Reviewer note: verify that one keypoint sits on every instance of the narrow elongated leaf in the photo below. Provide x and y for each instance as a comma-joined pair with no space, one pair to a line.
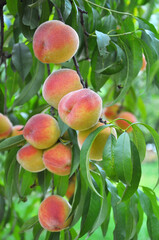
29,224
105,224
22,59
11,142
136,175
62,185
2,207
32,87
62,125
139,141
12,6
84,156
108,158
122,158
75,151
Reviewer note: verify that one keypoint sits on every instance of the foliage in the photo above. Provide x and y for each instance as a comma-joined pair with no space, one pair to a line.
113,37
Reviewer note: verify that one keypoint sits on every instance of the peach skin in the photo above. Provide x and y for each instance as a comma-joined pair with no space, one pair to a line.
30,158
71,187
111,112
55,42
123,124
80,109
41,131
97,148
58,158
17,130
5,126
58,84
53,213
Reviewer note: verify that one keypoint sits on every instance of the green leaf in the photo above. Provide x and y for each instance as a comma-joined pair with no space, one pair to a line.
84,156
44,179
136,175
108,158
63,127
22,59
67,9
31,17
102,42
75,151
139,141
122,158
37,230
105,224
29,224
11,142
2,207
62,185
12,6
32,87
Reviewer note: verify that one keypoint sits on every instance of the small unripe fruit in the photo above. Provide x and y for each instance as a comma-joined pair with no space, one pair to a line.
123,124
80,109
30,158
41,131
5,126
58,84
55,42
58,158
97,148
17,130
71,187
53,213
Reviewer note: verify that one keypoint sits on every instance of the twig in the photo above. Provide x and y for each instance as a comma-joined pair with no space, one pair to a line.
2,3
5,86
48,69
102,121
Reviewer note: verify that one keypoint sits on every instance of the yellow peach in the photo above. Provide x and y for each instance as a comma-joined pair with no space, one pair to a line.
58,158
5,126
97,148
58,84
53,213
30,158
55,42
80,109
41,131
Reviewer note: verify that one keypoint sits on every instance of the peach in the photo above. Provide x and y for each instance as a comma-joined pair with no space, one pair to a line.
5,126
41,131
30,158
144,63
71,187
53,213
80,109
55,42
58,84
58,158
97,148
17,130
123,124
111,112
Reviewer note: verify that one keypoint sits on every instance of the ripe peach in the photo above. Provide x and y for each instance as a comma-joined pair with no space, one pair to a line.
58,158
55,42
58,84
17,130
41,131
30,158
123,124
5,126
80,109
111,112
53,213
97,148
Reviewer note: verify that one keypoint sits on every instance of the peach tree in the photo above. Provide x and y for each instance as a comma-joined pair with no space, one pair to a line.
73,127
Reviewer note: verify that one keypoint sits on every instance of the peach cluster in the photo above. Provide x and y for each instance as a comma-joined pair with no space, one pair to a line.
43,150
